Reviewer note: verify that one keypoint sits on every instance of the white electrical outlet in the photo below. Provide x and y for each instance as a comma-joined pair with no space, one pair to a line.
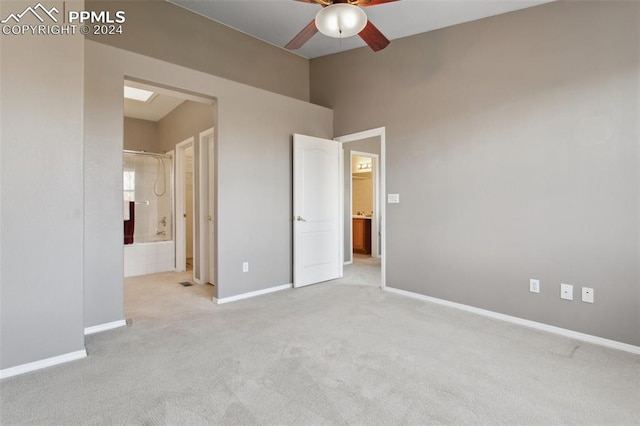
566,291
245,266
534,286
587,294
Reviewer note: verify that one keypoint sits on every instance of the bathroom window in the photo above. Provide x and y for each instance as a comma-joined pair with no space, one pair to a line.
146,180
129,187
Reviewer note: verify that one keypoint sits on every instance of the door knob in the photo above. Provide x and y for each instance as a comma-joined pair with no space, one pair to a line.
300,219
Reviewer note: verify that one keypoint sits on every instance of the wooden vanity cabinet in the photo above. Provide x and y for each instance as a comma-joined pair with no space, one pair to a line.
361,229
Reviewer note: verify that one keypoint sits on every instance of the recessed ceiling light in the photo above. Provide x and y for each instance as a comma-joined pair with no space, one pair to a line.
137,94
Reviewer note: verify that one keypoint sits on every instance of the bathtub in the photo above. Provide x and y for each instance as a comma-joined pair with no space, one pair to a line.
149,258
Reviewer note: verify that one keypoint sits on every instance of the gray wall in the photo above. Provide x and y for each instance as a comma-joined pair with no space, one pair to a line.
141,135
372,146
513,143
165,31
41,195
254,127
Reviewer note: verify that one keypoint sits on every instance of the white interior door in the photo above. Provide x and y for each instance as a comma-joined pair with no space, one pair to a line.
181,204
316,210
205,213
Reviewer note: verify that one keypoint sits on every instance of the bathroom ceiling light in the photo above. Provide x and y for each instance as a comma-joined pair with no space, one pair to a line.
137,94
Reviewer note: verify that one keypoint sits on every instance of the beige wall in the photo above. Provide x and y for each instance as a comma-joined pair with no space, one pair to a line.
513,143
362,193
164,31
141,135
187,120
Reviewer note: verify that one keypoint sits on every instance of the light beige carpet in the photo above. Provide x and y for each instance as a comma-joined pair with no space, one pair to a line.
334,353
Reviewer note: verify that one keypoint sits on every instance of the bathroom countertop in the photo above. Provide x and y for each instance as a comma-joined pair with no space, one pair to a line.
360,217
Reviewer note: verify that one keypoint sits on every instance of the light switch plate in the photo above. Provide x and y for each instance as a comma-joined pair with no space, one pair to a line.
587,294
393,198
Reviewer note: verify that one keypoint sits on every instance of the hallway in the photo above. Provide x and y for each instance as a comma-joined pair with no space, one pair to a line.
365,271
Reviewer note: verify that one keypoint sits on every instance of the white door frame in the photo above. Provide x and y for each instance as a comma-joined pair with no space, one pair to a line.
172,185
375,159
180,223
213,223
379,132
206,193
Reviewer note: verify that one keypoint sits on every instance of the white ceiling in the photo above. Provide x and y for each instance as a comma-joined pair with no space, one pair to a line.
278,21
154,110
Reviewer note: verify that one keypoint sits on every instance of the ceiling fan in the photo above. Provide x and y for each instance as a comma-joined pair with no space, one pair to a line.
341,19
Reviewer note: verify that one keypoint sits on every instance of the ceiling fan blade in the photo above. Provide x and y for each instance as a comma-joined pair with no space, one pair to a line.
371,2
373,37
303,36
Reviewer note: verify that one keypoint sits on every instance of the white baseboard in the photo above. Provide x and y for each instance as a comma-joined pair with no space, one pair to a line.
104,327
348,262
43,363
523,322
252,294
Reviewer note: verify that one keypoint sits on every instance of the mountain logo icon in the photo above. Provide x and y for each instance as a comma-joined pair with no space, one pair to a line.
38,11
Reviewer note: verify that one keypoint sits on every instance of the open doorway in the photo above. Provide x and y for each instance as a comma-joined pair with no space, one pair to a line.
165,128
323,215
364,212
364,205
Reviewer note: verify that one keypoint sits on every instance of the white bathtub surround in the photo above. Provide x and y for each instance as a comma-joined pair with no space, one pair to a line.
149,258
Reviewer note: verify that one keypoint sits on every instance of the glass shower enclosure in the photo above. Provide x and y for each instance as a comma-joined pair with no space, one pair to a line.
147,194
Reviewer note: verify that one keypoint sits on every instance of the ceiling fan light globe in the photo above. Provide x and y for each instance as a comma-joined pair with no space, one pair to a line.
341,20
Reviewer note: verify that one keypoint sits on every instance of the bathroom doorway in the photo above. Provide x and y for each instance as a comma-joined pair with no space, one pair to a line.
166,127
364,202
